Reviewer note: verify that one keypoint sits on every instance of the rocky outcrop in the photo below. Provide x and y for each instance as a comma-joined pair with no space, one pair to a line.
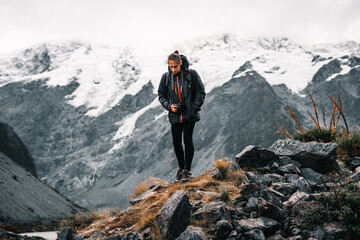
12,146
320,157
327,70
253,156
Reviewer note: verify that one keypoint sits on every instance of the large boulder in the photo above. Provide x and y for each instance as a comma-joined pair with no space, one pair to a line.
174,216
321,157
334,230
267,209
267,225
212,212
253,156
192,233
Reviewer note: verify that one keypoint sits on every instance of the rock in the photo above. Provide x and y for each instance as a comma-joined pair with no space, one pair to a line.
357,170
290,168
274,166
212,212
272,196
310,174
275,178
216,174
318,233
269,210
261,179
295,231
192,233
276,237
249,190
297,237
196,205
291,178
233,235
65,234
98,235
298,196
223,229
146,234
334,230
251,205
129,236
284,160
284,188
320,157
143,196
302,185
253,156
267,225
354,177
255,234
354,162
174,216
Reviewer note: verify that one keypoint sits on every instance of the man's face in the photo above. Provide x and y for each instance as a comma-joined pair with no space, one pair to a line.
174,66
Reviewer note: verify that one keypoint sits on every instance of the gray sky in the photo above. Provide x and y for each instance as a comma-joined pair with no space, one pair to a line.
158,22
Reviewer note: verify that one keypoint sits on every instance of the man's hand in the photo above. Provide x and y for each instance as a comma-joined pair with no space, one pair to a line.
173,108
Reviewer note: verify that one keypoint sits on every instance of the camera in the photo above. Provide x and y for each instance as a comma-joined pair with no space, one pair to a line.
180,108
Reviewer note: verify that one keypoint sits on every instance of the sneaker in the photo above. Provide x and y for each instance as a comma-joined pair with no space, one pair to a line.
179,175
186,176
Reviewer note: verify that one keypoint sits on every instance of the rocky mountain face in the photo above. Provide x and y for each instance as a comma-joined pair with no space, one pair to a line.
91,119
12,146
26,202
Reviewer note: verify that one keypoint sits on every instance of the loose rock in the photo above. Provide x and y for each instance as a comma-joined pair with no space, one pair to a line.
253,156
174,216
320,157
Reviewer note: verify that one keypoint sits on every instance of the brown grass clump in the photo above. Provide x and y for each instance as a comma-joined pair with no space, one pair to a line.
228,172
140,188
223,165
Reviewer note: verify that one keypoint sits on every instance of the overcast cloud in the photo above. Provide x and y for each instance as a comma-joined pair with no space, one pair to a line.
158,22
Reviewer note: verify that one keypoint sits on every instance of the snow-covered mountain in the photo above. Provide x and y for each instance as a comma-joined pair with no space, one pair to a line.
90,115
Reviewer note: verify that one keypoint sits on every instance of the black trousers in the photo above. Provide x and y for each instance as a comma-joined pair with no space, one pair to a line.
177,129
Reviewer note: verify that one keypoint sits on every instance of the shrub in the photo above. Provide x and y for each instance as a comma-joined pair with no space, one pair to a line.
342,204
315,134
349,143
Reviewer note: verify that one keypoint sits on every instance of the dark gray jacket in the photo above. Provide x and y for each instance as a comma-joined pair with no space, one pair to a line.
185,92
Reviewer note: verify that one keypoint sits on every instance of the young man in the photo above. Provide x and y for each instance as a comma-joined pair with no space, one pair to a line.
182,93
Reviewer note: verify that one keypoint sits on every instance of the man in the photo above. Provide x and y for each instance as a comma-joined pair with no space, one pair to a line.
182,93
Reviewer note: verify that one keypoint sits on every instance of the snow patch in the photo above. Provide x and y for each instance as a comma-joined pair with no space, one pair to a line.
127,125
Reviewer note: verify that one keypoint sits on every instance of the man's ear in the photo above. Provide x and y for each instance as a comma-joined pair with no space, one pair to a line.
180,62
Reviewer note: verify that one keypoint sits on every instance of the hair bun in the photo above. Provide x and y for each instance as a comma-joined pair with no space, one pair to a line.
176,51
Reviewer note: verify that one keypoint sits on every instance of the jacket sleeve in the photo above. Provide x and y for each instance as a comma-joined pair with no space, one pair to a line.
199,91
163,93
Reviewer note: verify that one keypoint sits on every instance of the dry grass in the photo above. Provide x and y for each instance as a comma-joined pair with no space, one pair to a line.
140,188
223,165
142,215
229,174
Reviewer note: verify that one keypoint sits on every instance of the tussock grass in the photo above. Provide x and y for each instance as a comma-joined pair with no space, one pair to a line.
228,172
140,188
223,165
